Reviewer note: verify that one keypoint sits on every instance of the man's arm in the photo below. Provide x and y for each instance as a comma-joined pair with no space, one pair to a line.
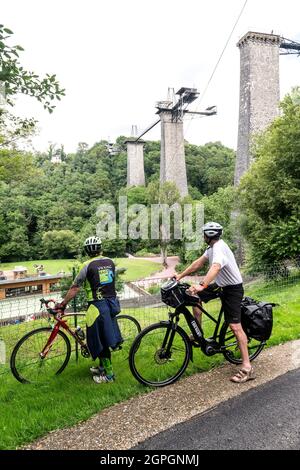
210,276
193,267
72,292
75,288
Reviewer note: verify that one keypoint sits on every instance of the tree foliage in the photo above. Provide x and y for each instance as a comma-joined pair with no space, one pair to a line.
59,244
15,79
270,191
39,197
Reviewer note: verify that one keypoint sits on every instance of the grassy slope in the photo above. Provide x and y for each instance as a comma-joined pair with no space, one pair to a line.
136,269
28,412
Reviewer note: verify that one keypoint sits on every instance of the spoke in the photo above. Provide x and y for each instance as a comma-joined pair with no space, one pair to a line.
151,365
28,363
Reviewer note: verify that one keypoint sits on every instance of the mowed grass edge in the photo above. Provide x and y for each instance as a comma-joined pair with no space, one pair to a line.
135,268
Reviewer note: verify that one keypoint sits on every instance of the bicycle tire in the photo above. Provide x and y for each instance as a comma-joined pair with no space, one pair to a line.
129,328
148,373
132,321
34,361
228,340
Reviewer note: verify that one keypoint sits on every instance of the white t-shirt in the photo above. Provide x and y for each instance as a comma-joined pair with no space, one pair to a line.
221,253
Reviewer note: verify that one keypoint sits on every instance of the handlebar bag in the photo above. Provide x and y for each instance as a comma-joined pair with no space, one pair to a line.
172,294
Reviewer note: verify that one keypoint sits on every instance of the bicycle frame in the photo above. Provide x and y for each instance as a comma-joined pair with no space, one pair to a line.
60,323
208,346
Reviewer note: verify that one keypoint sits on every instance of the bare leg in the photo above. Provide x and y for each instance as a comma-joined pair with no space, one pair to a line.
243,344
197,314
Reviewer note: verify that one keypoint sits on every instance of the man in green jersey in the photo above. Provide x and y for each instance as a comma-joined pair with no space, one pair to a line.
97,277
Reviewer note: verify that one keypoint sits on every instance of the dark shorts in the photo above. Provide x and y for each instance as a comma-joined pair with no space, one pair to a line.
231,297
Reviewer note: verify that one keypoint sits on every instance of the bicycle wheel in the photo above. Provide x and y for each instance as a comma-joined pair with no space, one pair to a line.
232,351
129,328
26,363
149,359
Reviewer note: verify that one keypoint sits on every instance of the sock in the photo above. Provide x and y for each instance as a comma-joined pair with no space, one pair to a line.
107,366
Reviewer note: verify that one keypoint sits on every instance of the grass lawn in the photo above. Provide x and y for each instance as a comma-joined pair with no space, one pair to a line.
136,268
29,411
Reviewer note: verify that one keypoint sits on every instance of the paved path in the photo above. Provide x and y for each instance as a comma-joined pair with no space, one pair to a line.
125,425
266,417
165,272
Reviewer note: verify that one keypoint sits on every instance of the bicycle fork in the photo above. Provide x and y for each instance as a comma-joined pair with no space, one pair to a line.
165,352
49,343
168,341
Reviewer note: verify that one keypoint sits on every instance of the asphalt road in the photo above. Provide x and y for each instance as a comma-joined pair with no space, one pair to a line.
266,417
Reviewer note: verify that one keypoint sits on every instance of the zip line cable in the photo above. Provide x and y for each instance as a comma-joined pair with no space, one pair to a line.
213,72
220,57
210,78
223,51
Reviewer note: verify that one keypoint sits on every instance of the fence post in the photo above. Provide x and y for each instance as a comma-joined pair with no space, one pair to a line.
75,316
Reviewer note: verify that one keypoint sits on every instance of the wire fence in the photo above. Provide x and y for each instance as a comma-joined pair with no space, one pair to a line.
142,300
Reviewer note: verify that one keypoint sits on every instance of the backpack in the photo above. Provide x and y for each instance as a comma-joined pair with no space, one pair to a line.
257,318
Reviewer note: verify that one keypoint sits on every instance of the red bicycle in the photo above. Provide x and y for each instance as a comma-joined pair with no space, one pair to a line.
46,351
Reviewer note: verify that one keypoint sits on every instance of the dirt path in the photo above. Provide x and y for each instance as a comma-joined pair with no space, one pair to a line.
126,424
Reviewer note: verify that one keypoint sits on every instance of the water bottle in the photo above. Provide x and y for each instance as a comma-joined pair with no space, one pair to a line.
2,352
79,333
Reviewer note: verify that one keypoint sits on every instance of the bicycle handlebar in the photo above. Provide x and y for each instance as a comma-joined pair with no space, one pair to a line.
53,311
186,286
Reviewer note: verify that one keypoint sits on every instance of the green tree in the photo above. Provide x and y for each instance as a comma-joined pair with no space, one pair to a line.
60,244
270,191
168,194
16,167
15,79
14,129
209,167
217,207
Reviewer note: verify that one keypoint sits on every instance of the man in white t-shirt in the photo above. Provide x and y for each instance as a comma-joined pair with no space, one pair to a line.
228,282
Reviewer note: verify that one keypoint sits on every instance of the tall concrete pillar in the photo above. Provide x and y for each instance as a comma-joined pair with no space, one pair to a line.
135,163
259,92
172,158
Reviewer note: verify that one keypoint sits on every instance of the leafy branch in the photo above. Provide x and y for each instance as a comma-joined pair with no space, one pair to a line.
16,80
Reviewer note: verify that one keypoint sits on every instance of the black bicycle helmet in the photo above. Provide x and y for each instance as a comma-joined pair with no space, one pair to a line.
92,245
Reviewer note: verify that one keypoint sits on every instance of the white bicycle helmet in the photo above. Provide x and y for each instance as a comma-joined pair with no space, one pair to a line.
92,245
212,229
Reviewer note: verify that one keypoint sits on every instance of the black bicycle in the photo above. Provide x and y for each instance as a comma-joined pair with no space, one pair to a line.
160,354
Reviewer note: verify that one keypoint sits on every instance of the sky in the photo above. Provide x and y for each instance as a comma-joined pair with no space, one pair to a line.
117,58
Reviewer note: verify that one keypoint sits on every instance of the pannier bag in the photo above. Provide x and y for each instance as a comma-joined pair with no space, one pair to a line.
257,318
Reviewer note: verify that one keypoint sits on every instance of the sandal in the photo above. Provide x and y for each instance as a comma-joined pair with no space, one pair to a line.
243,375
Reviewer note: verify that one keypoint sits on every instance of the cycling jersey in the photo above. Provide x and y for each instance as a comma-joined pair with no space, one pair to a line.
97,277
